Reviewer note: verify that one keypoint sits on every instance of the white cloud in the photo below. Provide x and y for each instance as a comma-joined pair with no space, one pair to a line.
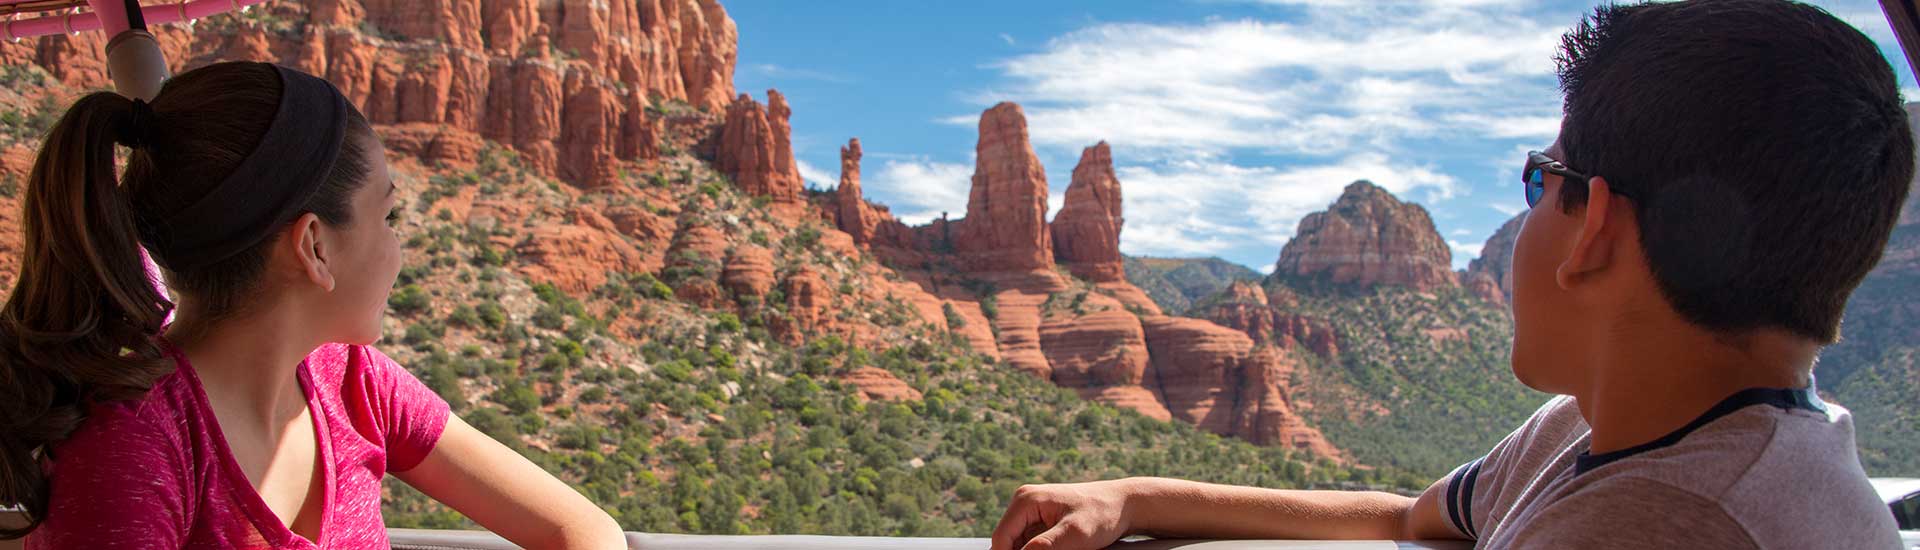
1463,253
918,189
1507,209
1344,77
816,177
1203,205
1008,38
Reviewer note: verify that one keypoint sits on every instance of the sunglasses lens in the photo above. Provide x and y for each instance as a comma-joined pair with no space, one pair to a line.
1536,186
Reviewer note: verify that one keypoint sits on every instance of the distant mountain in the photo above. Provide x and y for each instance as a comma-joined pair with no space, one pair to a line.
1402,366
1175,283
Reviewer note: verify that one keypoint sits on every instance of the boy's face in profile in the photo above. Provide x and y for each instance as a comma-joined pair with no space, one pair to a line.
1547,318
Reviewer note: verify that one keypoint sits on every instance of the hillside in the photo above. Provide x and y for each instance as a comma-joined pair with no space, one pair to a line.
1403,366
1176,283
1875,369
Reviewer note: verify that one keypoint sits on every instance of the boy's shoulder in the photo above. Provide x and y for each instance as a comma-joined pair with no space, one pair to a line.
1787,477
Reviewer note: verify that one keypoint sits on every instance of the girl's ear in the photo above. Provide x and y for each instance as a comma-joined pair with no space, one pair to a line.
312,250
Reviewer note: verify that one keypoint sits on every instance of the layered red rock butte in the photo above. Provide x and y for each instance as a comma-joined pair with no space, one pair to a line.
1368,238
1491,275
754,148
567,83
1103,356
1006,224
576,257
1086,232
1215,378
877,384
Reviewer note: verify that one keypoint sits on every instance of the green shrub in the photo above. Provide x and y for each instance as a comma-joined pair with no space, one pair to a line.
410,300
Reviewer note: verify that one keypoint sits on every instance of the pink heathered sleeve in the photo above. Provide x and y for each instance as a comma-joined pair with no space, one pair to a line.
405,412
120,481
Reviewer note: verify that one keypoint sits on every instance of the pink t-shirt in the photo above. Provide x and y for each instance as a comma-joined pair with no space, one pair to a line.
156,472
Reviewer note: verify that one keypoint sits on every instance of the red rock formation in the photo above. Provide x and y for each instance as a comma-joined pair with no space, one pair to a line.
1006,224
1246,307
513,71
749,271
1195,366
695,262
432,144
809,308
640,223
1215,378
1018,323
1103,357
1495,264
779,119
1086,232
851,211
575,257
1265,414
1367,238
749,149
879,385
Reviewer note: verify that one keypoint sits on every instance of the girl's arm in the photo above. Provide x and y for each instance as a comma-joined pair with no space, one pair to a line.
509,495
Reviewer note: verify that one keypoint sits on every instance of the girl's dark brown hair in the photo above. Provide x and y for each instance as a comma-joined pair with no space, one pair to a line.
80,325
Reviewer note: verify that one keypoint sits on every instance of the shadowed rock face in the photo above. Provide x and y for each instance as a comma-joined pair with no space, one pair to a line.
1086,232
1368,238
1491,275
1006,224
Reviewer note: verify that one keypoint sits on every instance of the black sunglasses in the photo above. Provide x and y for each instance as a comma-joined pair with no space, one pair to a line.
1534,176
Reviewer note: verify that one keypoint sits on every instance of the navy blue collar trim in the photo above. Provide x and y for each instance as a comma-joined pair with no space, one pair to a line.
1782,398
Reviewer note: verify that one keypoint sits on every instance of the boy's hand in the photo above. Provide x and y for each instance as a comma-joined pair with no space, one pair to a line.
1073,516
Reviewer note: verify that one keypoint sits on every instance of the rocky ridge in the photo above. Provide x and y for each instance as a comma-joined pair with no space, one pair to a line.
1367,238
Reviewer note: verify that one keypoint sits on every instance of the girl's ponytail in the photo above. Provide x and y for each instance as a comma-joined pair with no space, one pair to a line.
79,325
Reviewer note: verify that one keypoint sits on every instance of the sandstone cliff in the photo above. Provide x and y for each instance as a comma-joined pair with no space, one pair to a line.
1086,232
1367,238
575,86
1006,224
754,148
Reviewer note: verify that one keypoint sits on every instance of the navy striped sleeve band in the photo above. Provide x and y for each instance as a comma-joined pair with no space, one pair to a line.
1460,498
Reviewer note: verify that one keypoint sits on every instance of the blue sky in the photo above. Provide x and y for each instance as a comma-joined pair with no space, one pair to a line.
1229,120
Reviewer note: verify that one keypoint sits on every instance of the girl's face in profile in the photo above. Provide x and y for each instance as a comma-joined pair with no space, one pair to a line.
370,259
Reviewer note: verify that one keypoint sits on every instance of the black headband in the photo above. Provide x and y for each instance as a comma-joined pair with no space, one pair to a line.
268,189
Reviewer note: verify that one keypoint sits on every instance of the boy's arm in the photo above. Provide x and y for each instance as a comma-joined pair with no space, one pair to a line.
1093,515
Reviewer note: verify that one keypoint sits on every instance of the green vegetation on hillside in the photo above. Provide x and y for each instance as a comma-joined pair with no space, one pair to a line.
1421,381
1875,369
1176,284
677,418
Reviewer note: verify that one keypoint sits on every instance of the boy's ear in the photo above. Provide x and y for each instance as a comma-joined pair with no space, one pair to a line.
312,250
1593,247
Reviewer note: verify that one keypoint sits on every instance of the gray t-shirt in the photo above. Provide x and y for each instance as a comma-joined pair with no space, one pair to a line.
1767,468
